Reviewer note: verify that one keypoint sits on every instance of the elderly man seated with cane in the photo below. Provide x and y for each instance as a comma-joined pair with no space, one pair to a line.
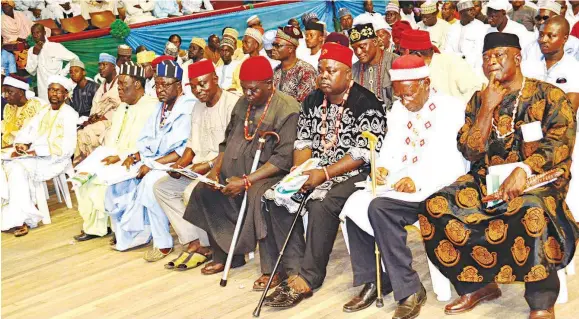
526,234
262,109
330,128
418,157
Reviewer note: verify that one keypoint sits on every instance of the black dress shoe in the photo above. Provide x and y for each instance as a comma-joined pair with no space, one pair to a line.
275,295
84,237
363,300
289,298
409,308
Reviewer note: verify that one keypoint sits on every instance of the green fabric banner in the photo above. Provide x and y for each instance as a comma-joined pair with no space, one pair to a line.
88,51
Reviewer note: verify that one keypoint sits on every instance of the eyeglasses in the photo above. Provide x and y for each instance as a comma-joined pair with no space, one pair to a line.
164,86
278,45
539,18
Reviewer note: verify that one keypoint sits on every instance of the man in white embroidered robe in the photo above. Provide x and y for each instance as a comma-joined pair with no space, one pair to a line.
418,157
49,138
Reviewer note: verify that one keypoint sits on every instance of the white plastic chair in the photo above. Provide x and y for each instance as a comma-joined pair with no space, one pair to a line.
440,284
61,189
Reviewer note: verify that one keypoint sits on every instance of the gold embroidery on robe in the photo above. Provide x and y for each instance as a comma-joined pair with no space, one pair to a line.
537,273
536,162
447,254
475,141
504,124
463,138
505,276
484,257
467,198
437,206
566,111
553,250
555,95
519,124
556,132
426,229
534,221
520,252
470,274
475,218
465,178
551,204
529,89
496,233
497,160
561,153
514,206
456,232
537,110
483,190
530,147
513,157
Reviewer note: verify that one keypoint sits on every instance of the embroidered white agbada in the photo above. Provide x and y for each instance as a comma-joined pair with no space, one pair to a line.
52,135
48,62
437,32
225,73
420,145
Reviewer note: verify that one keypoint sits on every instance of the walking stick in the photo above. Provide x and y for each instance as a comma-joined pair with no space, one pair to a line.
262,138
372,140
291,230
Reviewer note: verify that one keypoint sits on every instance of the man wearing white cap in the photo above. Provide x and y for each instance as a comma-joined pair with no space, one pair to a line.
251,45
268,38
466,37
405,168
45,59
43,149
437,28
195,53
392,14
63,9
548,10
500,22
19,108
253,21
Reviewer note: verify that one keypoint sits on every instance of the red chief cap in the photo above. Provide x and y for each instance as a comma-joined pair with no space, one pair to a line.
336,52
160,59
417,40
255,68
200,68
399,27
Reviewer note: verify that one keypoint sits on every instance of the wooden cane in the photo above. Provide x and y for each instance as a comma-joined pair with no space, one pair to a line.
372,140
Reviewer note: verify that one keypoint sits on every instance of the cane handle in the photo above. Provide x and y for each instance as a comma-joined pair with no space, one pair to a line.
371,137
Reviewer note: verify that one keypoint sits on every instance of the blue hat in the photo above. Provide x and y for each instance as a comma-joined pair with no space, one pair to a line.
169,69
344,12
105,57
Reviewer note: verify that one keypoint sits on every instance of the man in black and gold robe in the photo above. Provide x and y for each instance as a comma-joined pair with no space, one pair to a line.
529,235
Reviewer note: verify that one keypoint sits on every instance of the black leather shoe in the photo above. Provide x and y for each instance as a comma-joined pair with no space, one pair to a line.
363,300
409,308
84,237
289,298
278,291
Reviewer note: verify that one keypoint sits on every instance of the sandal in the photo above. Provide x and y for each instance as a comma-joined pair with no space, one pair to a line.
177,261
212,268
21,231
261,282
193,260
155,254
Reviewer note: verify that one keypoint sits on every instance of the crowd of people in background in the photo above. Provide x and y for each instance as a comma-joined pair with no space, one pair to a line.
450,90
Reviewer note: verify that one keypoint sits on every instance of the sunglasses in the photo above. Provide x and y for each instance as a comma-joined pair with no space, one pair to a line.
539,18
278,45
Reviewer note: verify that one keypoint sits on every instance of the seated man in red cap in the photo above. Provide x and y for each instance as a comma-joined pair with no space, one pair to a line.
262,109
211,114
371,70
331,123
515,128
292,76
449,74
422,128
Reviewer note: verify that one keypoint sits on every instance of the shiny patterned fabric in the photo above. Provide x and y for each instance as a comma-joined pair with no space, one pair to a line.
296,82
526,238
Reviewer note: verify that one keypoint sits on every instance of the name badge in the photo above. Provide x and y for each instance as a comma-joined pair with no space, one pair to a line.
532,131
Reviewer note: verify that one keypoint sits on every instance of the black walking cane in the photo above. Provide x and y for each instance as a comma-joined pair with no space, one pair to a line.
291,230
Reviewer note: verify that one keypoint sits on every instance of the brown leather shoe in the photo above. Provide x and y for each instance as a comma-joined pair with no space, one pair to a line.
467,302
261,282
364,299
410,307
543,314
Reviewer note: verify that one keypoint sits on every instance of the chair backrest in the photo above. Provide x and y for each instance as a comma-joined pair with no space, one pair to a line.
49,23
74,24
102,19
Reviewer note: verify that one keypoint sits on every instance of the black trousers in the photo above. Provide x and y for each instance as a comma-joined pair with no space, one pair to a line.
310,257
388,218
539,295
220,256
